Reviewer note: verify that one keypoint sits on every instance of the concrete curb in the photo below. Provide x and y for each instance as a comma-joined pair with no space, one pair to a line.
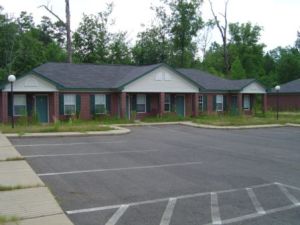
206,126
232,127
118,131
26,196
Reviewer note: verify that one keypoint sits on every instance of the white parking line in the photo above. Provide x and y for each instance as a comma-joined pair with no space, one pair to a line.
256,215
117,215
166,218
70,144
291,197
259,209
215,212
119,169
91,153
157,200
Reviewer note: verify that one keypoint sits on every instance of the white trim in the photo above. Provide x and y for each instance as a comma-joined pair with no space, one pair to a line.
31,83
14,111
47,103
141,104
249,98
150,83
219,103
253,88
202,105
105,110
65,105
167,103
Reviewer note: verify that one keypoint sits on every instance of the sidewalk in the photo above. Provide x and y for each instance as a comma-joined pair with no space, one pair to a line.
23,196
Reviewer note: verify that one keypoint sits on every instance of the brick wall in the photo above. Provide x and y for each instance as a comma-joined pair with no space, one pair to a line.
286,101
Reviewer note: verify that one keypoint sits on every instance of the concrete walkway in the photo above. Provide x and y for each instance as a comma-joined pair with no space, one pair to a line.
24,196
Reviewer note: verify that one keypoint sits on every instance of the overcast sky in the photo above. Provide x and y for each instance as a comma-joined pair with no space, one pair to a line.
280,19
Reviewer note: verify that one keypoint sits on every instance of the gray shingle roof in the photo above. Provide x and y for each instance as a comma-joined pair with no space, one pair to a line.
212,82
290,87
91,76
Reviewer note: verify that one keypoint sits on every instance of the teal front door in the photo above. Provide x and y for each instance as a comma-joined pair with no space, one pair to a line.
180,105
41,104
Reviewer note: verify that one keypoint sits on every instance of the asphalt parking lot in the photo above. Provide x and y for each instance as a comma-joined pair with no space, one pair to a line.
175,175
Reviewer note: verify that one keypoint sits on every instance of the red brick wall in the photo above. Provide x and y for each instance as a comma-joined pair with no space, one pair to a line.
188,104
4,105
85,105
115,104
286,102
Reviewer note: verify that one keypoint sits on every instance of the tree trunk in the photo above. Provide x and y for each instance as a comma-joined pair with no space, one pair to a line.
68,28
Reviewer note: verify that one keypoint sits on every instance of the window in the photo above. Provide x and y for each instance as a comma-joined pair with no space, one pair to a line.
167,77
219,103
69,104
167,103
100,104
200,103
19,105
246,103
141,103
159,76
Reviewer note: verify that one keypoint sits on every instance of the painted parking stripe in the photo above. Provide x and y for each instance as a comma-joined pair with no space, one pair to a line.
117,215
291,197
70,144
166,218
120,169
259,209
215,212
102,208
91,153
256,215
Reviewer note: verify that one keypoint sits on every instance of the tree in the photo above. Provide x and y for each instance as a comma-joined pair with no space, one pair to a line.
297,43
8,38
119,52
66,25
91,39
244,44
185,22
223,31
237,70
288,65
151,47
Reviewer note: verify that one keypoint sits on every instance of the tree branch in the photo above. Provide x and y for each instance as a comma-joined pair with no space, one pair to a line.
51,12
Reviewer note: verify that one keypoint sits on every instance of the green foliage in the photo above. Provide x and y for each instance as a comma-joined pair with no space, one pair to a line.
237,70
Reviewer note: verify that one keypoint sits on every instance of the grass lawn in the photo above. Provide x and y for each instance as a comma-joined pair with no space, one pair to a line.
165,118
68,126
268,118
8,219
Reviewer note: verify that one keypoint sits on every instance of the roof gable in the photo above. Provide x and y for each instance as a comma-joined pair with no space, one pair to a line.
253,88
31,83
162,79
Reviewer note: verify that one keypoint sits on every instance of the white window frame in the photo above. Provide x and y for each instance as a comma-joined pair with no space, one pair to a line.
200,102
100,100
219,102
167,77
246,102
16,103
167,102
141,100
159,76
69,104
